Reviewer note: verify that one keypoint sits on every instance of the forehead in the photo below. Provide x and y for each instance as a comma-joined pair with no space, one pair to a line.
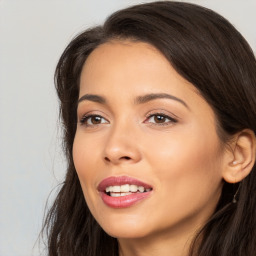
128,63
126,49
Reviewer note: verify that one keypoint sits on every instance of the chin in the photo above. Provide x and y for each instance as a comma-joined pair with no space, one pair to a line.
126,234
125,228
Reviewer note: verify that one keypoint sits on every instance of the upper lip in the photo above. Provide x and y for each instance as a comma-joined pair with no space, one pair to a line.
121,180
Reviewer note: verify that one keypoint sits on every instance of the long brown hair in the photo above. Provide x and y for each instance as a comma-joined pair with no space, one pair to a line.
210,53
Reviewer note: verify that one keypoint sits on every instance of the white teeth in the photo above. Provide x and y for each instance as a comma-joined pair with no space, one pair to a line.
133,188
126,188
115,194
119,194
141,189
116,189
108,189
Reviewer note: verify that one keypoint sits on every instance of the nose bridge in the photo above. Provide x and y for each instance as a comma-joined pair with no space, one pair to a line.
121,143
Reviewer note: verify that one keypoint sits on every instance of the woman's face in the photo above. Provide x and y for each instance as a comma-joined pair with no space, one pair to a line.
146,150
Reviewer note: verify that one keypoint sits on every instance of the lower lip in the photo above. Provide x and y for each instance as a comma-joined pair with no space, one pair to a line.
123,201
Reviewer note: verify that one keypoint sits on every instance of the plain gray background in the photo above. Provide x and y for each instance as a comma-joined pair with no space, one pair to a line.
33,34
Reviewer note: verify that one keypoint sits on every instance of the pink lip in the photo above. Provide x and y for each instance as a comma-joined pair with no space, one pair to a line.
120,180
122,201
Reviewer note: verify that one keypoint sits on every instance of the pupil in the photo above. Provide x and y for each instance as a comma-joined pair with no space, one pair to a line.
159,119
96,120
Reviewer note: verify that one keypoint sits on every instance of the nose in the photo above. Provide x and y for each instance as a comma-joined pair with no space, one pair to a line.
121,146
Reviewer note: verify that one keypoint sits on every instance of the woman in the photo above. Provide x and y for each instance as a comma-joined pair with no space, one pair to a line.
158,107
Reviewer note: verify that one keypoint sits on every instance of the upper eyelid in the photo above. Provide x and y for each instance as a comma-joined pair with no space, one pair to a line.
162,112
159,114
171,119
92,113
84,121
104,115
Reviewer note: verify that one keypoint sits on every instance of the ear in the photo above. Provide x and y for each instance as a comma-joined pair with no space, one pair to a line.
240,158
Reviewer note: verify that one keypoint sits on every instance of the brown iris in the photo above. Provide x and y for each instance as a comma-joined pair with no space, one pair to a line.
96,119
159,119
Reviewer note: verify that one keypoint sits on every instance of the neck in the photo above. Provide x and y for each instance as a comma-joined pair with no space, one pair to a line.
164,245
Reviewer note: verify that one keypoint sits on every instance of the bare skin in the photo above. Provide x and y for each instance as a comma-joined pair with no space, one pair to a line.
169,142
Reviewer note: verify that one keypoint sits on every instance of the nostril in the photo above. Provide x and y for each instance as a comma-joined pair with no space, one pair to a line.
119,159
107,159
125,158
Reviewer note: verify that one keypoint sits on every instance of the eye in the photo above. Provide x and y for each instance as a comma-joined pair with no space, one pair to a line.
90,120
161,119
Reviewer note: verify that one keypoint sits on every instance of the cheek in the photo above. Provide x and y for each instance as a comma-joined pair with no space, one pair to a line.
188,178
187,166
86,159
85,153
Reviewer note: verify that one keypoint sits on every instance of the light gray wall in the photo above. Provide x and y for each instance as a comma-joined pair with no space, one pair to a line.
32,36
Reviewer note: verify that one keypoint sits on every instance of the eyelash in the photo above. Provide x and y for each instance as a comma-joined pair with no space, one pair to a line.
85,118
171,119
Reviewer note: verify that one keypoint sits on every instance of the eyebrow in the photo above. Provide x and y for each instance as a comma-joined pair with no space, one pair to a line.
139,100
153,96
93,97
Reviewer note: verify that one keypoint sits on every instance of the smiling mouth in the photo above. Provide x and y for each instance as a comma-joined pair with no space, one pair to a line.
125,190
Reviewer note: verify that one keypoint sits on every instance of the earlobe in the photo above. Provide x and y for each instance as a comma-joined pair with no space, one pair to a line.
240,158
